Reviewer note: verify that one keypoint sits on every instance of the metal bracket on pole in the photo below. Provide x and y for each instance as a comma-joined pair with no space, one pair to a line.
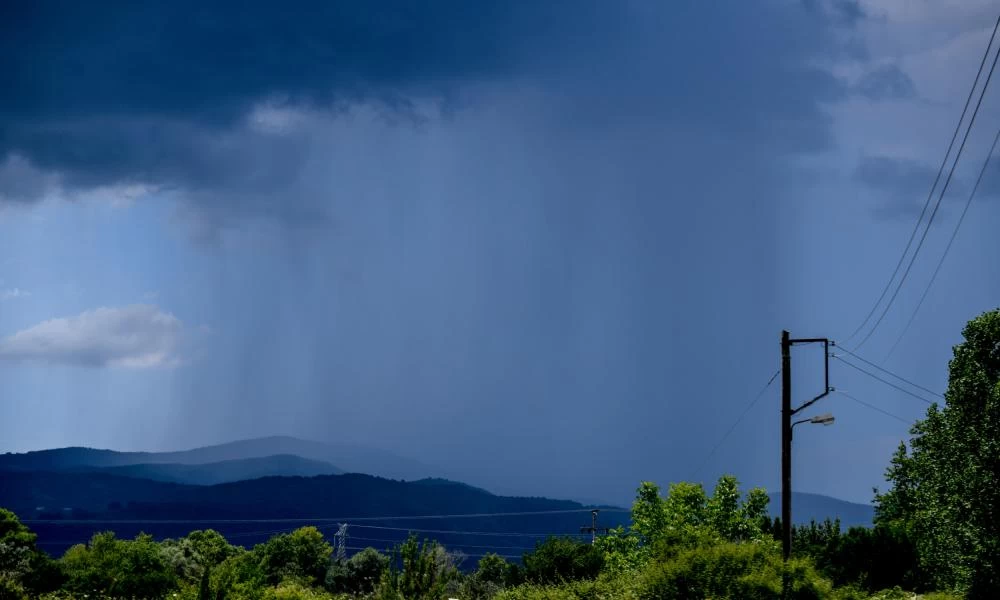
826,369
787,412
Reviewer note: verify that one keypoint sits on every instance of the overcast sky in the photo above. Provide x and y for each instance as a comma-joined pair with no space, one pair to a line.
548,247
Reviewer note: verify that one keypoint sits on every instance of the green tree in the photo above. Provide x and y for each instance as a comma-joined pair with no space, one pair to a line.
623,550
239,576
301,554
11,589
870,558
119,568
946,487
192,554
357,575
562,559
205,587
494,569
426,572
492,575
688,517
17,550
211,546
22,565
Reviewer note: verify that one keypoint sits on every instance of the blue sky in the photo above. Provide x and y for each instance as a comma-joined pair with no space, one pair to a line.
549,249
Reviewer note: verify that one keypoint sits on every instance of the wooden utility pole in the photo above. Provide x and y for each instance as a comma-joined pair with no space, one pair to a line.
787,412
593,529
786,445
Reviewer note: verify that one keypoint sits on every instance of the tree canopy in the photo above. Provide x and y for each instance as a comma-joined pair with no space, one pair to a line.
946,485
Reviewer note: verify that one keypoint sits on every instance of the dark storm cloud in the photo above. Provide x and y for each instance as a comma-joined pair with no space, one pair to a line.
121,91
210,61
887,82
158,93
902,185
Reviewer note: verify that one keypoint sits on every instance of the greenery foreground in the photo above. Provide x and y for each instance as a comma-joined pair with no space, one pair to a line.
935,529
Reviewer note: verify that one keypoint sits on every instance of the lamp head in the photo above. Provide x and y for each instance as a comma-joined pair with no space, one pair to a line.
826,419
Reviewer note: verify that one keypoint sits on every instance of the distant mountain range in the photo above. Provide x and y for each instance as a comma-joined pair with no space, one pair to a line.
808,507
67,507
345,458
102,495
252,489
225,471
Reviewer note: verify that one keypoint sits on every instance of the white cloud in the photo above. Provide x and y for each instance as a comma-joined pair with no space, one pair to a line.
136,336
937,48
14,293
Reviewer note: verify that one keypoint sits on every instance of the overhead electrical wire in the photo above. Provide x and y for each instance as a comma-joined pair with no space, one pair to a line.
888,372
471,533
352,548
930,194
888,383
947,248
316,519
397,541
944,189
735,423
873,407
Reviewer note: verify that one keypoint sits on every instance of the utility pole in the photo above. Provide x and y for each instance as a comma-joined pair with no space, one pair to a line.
786,445
787,412
593,529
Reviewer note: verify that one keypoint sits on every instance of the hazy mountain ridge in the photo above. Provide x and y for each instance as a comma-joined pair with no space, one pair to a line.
345,458
807,507
269,497
102,501
240,480
221,472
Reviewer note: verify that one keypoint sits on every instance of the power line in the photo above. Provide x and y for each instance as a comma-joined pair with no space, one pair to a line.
944,188
315,519
947,248
269,532
735,423
875,408
338,522
888,372
888,383
481,533
930,194
412,530
397,541
353,548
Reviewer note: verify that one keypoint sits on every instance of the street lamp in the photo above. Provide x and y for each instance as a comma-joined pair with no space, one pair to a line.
825,419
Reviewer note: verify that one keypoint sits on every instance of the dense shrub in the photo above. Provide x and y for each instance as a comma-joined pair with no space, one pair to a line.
358,574
941,596
740,571
872,558
121,568
621,588
192,554
418,571
562,559
11,590
492,576
302,554
294,591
